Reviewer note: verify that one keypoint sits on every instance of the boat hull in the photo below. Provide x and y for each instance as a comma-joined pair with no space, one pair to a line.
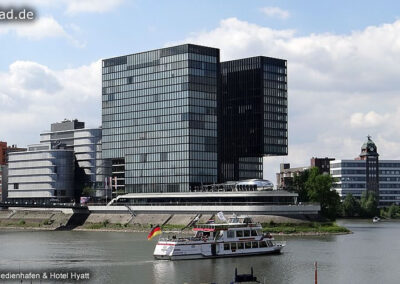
271,250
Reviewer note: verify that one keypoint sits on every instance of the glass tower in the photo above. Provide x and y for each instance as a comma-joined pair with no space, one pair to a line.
159,118
252,115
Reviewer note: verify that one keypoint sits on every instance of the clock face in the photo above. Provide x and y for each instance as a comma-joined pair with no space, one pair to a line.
371,149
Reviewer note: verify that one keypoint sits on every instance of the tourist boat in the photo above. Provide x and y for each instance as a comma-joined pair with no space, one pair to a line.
238,237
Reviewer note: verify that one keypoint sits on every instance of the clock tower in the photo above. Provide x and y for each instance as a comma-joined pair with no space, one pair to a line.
370,155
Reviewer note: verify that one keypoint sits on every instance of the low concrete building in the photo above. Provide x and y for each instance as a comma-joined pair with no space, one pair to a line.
284,179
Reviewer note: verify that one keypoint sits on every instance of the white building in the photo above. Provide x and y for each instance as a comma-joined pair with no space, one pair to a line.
352,176
86,144
41,175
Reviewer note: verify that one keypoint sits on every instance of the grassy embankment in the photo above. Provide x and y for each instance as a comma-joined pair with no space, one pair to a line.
274,228
305,228
25,224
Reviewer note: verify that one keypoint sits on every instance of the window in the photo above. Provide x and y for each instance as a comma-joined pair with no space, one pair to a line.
253,233
16,185
263,244
247,233
239,234
240,245
226,247
163,157
231,234
247,245
233,246
254,244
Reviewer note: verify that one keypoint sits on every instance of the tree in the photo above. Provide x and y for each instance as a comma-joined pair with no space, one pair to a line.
319,189
298,185
392,211
350,206
87,191
369,204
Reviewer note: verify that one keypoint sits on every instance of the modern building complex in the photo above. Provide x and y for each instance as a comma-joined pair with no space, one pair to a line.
38,176
368,173
166,112
67,160
91,169
252,115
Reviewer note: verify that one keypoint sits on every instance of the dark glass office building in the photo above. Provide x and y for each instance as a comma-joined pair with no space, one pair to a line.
252,116
159,118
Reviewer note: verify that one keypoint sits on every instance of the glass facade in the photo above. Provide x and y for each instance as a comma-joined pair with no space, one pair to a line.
41,175
159,116
252,115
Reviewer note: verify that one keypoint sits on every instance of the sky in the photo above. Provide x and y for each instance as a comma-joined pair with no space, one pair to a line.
343,63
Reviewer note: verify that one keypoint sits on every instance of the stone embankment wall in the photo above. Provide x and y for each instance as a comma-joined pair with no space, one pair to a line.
49,220
53,220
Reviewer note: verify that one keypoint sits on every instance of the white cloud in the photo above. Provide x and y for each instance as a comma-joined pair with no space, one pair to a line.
275,12
341,87
36,96
91,6
43,27
368,120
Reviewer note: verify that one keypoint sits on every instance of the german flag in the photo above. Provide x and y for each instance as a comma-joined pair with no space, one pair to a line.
154,232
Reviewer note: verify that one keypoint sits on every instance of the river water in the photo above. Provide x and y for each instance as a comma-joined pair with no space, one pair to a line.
370,255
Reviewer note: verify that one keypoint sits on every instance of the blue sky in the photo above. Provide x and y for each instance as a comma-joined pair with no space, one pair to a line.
343,59
138,25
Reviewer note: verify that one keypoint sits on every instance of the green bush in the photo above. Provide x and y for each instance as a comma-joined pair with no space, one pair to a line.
105,223
21,222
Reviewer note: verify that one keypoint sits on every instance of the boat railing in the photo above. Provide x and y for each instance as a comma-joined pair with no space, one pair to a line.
182,240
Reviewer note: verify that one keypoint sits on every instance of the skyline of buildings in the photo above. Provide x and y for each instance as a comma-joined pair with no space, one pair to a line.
174,117
173,120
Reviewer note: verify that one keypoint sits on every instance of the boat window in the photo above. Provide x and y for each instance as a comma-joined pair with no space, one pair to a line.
258,232
240,246
253,233
247,245
226,247
233,246
263,244
231,234
247,233
239,234
254,244
269,243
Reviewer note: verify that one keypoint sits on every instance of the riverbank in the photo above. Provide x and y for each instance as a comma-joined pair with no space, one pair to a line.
56,220
309,228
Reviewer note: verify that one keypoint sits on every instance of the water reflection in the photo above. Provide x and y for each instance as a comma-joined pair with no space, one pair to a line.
370,255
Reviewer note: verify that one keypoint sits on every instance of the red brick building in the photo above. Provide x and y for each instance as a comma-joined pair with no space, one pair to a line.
3,152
